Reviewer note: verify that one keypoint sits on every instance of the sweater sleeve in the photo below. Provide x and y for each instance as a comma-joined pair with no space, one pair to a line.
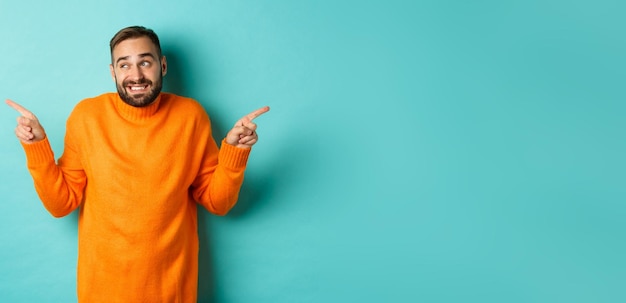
221,174
59,188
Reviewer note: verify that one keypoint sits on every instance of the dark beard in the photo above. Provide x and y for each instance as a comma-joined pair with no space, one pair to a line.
141,100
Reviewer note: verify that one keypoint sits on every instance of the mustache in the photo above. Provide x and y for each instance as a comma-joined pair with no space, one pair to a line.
142,81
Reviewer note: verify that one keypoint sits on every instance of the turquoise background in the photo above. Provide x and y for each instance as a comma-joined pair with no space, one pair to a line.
416,151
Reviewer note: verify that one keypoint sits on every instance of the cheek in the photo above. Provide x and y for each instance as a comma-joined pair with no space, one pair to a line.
119,81
117,76
156,75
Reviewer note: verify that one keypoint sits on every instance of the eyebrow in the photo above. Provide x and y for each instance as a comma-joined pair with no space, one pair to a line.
140,56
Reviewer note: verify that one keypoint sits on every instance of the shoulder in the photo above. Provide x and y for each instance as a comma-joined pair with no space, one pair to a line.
94,104
180,102
179,105
92,107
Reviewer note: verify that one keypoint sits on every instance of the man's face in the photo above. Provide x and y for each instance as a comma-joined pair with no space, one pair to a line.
138,71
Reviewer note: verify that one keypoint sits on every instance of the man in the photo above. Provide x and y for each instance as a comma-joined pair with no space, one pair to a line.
136,163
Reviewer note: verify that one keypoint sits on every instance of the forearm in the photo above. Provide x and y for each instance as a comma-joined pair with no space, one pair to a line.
218,190
60,191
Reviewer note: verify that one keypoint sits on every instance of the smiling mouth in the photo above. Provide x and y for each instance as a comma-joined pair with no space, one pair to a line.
137,88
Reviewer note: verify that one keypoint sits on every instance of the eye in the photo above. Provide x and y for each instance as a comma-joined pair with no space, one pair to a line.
124,65
145,63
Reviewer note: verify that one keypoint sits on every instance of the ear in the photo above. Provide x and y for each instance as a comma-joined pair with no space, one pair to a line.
112,72
163,66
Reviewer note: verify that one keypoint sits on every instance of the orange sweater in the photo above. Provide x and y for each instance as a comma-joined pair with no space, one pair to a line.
136,174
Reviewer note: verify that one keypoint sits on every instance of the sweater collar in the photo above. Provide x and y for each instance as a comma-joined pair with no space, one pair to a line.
136,114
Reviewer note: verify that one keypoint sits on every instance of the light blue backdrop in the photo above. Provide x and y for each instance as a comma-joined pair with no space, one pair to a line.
416,151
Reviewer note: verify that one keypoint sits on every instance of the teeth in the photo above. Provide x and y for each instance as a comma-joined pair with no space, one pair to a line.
137,87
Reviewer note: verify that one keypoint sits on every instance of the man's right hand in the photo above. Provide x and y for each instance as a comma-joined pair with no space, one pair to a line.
28,129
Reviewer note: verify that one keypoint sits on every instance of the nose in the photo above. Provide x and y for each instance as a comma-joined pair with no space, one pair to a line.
135,73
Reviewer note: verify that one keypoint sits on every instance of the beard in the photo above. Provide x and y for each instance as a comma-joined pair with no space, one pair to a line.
140,100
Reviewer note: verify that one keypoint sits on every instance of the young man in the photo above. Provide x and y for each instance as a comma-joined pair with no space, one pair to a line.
136,162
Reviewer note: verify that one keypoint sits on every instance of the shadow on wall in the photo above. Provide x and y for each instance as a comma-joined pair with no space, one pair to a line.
173,81
271,181
260,190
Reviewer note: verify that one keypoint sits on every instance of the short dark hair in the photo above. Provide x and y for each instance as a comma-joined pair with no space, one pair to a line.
132,32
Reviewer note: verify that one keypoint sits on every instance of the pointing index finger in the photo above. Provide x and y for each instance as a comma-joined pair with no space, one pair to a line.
255,114
20,109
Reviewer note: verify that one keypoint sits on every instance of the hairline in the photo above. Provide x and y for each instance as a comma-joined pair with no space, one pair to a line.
135,32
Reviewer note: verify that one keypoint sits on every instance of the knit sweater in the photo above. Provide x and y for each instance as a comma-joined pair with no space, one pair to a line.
136,174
